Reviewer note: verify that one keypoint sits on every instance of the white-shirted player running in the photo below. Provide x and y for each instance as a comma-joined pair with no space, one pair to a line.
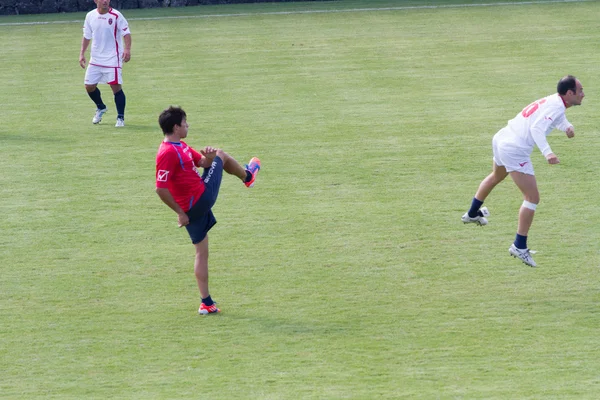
512,147
107,29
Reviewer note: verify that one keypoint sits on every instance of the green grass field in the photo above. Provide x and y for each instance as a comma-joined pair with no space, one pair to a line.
345,273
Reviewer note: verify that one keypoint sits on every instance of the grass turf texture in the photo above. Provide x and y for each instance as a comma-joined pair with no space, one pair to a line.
346,272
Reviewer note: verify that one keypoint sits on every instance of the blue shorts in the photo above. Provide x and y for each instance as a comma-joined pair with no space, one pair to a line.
201,215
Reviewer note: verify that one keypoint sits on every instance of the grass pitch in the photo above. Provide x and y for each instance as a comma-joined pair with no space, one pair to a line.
345,272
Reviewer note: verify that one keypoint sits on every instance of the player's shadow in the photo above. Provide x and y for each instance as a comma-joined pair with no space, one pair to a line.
133,128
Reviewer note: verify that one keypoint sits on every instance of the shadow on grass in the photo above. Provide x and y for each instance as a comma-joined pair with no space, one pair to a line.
130,128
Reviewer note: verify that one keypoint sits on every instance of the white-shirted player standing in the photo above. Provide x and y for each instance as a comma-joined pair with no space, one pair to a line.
107,29
512,147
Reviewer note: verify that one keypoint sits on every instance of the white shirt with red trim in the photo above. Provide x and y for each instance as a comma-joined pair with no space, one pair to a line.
106,32
531,126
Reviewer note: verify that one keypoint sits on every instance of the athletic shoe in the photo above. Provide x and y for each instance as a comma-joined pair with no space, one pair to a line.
205,310
253,166
477,219
523,254
120,123
98,117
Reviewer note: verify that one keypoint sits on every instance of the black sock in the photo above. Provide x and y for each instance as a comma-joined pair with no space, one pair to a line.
208,301
475,206
97,99
520,242
120,103
248,176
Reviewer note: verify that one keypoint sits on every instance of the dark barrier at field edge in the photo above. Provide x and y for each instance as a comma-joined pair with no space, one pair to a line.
16,7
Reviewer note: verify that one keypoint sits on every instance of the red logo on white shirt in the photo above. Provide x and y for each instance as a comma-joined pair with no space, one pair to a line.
522,163
162,175
110,21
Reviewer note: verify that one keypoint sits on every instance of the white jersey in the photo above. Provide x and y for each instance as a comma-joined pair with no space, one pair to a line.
105,31
531,126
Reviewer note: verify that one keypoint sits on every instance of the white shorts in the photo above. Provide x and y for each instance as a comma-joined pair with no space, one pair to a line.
510,157
95,74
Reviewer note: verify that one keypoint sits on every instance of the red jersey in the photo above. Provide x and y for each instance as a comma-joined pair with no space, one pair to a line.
176,170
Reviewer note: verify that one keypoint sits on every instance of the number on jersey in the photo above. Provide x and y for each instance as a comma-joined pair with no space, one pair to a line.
530,109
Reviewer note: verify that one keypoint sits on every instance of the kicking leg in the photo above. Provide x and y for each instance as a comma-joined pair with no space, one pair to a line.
231,166
476,214
489,183
246,174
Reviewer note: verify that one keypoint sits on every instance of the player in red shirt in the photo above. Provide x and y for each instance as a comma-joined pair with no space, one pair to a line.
191,194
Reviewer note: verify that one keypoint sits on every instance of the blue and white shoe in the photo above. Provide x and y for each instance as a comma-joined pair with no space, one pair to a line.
479,220
522,254
98,117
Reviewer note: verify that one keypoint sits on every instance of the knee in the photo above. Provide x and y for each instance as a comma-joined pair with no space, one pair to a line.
115,88
222,155
533,198
90,88
201,253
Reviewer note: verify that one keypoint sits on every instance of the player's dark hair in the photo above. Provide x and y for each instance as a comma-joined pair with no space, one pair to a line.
567,83
169,118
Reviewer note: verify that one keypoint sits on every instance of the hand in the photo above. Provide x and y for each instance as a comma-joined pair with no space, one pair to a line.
552,159
82,61
570,132
209,152
126,55
182,219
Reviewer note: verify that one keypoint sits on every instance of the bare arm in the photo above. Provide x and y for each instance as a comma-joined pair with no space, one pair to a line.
209,153
167,198
84,45
552,158
127,50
